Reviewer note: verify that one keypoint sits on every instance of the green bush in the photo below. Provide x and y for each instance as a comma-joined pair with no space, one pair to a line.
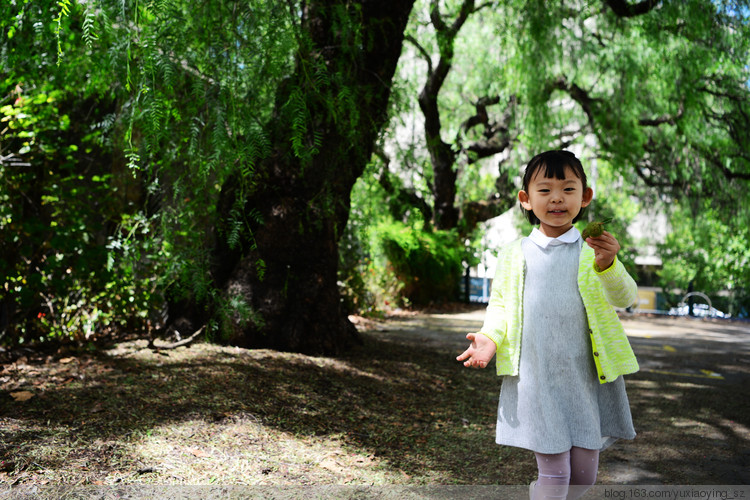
428,264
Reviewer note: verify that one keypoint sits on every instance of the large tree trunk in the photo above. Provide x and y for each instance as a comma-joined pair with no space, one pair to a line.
295,207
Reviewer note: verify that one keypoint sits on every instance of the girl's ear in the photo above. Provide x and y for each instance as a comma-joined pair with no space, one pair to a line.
523,197
588,195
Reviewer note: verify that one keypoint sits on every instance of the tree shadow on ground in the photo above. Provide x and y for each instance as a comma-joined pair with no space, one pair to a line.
400,401
412,408
691,409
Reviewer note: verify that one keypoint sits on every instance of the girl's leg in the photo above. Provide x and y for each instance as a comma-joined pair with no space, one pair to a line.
577,467
584,465
554,476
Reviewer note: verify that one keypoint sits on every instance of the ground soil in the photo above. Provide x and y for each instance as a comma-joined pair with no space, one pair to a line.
399,410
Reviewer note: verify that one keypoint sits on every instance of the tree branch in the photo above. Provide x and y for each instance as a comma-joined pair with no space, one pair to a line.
466,9
403,196
480,117
435,17
152,345
671,119
422,51
624,9
588,103
579,95
446,38
474,212
496,135
721,166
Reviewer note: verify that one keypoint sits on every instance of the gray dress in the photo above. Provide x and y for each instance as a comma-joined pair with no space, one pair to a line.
556,401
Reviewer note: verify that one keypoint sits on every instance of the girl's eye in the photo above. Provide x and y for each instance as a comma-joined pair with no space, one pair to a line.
544,190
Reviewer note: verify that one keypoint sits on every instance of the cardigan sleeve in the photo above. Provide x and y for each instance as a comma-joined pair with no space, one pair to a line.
495,319
620,289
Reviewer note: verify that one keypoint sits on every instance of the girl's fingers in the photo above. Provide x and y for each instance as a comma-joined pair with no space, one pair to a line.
599,242
469,355
606,240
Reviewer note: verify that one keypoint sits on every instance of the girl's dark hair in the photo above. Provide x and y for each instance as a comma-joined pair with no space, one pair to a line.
553,163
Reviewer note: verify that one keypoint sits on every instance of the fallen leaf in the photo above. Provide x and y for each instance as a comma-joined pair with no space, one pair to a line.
197,453
22,395
332,465
65,361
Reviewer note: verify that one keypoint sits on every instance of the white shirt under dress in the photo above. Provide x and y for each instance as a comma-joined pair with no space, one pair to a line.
556,401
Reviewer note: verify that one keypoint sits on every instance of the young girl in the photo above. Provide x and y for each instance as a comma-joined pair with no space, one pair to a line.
557,339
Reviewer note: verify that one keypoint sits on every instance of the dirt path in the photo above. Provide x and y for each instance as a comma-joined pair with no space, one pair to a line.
690,401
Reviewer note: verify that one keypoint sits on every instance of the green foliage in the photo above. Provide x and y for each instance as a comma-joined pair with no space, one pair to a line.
708,253
365,287
204,78
428,264
385,240
122,119
128,127
659,99
56,205
64,12
613,201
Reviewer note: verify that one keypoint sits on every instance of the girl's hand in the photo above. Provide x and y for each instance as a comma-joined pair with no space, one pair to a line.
605,248
480,351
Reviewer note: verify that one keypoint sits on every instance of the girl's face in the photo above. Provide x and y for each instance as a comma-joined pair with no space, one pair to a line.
555,202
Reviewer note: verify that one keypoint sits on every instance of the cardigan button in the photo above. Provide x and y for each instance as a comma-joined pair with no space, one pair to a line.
603,377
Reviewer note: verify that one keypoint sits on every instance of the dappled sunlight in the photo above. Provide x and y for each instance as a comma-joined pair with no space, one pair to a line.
397,410
327,363
689,402
208,413
240,449
677,414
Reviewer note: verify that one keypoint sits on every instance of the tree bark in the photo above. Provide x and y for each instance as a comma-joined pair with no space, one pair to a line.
281,276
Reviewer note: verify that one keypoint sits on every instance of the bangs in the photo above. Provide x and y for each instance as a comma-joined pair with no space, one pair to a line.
553,164
557,170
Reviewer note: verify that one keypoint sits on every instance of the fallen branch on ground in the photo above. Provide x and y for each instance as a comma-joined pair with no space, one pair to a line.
152,345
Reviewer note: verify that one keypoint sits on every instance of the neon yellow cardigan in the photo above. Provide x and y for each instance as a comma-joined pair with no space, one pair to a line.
600,291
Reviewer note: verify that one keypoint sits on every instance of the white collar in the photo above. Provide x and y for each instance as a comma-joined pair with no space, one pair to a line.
571,236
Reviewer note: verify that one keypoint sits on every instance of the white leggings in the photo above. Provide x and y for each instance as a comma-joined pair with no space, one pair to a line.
557,473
